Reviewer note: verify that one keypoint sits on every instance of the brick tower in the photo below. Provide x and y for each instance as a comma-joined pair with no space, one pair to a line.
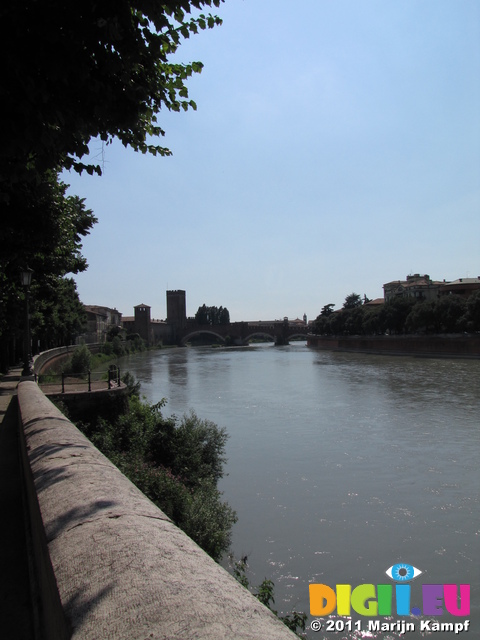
142,322
177,308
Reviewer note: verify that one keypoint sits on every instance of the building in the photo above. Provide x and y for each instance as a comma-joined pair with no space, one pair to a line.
424,288
99,321
374,304
419,287
159,331
177,308
150,330
462,287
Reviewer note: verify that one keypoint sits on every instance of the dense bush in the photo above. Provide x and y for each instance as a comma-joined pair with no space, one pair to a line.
115,346
135,342
176,463
81,359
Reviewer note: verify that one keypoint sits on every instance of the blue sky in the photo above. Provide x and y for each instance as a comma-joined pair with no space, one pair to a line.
336,147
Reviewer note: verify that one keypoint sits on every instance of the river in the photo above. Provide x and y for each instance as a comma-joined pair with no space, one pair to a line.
340,465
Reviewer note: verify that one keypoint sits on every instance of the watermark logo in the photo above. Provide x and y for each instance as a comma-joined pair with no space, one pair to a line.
403,572
388,599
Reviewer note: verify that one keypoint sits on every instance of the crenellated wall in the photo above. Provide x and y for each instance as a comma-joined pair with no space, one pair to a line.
110,564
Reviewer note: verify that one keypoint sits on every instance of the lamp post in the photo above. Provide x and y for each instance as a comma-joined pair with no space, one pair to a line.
26,280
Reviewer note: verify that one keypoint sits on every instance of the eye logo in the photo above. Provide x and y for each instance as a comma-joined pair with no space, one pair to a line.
403,572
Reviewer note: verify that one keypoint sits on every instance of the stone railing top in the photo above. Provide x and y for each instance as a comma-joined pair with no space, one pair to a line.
122,568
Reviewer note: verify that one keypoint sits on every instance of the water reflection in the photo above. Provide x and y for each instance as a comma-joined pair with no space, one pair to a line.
177,368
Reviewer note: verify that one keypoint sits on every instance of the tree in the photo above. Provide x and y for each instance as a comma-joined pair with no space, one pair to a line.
202,315
353,321
81,359
352,300
75,71
57,316
327,310
398,315
47,226
394,313
473,312
451,312
422,317
223,316
46,234
372,324
72,72
212,315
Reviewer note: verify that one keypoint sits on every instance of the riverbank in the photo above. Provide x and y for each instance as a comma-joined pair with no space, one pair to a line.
434,346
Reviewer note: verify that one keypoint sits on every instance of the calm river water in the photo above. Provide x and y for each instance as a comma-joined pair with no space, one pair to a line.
340,466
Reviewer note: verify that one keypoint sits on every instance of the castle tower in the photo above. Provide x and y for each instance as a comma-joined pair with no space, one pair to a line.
142,322
177,308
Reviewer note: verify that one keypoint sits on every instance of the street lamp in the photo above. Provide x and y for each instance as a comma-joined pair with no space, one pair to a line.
26,280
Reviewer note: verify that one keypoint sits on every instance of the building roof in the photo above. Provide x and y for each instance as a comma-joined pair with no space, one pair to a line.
97,311
464,281
95,308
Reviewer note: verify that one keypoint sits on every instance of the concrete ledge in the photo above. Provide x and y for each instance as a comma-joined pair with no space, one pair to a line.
44,360
112,564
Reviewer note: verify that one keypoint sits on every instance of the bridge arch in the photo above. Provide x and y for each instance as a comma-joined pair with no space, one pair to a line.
302,335
260,334
200,332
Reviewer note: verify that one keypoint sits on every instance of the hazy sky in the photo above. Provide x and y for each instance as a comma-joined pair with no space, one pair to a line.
336,147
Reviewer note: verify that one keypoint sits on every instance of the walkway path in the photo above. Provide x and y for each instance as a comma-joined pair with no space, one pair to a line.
16,621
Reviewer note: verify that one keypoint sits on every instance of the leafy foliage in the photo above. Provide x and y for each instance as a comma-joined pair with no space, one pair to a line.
75,71
46,228
72,72
473,312
352,301
57,313
212,315
176,463
43,228
395,313
195,449
81,359
327,310
448,314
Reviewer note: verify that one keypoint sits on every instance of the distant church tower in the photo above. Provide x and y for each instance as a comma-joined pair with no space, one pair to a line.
142,321
177,309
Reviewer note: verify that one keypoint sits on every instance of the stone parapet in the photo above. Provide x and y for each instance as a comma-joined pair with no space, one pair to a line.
110,564
46,359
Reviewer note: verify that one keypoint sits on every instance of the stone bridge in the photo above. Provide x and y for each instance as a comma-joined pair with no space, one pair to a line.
240,333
